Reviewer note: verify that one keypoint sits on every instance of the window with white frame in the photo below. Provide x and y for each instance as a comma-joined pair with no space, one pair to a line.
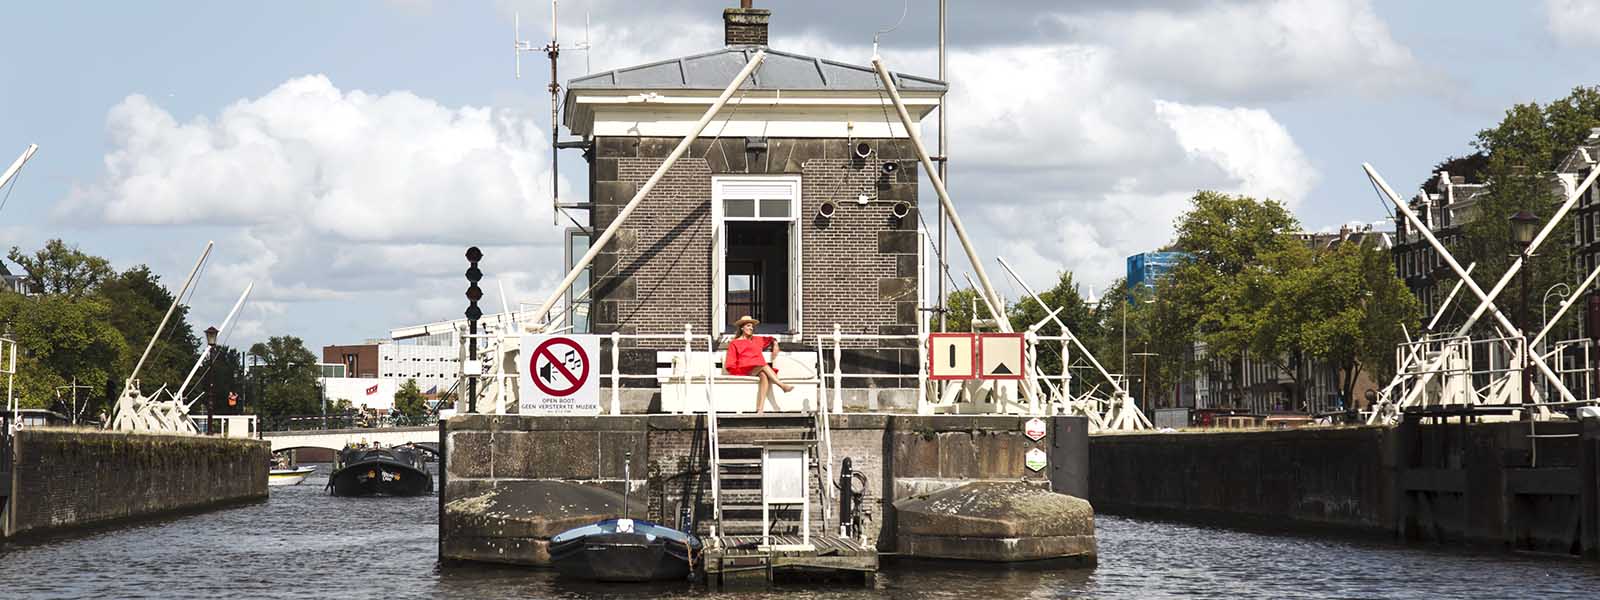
756,269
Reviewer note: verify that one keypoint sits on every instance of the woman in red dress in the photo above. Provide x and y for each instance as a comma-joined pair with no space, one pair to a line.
744,358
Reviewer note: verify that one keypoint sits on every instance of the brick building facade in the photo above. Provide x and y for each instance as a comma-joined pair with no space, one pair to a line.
738,224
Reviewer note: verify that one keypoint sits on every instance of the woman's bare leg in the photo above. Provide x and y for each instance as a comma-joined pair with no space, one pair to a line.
767,371
762,390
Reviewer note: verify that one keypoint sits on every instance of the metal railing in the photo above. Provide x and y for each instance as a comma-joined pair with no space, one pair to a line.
270,423
611,344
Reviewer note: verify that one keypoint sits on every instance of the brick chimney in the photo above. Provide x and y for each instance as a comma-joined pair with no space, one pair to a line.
745,26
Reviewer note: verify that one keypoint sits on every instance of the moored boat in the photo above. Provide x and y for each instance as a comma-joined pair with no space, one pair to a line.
624,550
374,471
289,476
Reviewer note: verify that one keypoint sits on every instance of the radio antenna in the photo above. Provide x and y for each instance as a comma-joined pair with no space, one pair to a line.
553,51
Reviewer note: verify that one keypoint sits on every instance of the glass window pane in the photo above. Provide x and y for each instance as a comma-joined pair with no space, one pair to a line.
739,208
775,209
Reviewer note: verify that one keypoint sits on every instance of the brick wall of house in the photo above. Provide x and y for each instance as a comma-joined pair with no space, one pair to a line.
858,268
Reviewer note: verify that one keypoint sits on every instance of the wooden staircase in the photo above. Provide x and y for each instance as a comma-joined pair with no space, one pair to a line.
736,444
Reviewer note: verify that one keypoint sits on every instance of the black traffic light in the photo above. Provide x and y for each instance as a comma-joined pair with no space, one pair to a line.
474,275
474,294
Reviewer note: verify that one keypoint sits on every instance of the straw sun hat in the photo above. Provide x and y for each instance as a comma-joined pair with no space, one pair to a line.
745,319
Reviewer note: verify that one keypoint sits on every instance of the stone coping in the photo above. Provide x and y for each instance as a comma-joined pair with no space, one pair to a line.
670,422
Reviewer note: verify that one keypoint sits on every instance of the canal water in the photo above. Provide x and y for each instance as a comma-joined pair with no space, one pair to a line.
302,543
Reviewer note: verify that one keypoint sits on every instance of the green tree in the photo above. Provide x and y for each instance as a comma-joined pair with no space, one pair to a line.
1075,312
60,340
1389,305
140,301
286,374
408,400
1239,246
222,374
59,269
961,307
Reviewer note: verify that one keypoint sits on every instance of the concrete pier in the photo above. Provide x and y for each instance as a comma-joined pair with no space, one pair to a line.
66,478
1504,485
900,456
996,522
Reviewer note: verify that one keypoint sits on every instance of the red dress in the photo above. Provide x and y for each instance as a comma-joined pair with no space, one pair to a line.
744,355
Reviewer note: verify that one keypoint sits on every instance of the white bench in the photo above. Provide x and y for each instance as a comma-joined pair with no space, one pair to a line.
684,388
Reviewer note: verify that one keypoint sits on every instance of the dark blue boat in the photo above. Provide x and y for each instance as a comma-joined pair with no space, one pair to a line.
624,550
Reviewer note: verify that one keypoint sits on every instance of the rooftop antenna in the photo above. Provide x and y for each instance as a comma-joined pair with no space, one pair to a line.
553,51
904,7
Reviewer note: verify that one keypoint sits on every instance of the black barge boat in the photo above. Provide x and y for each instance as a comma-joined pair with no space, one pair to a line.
397,471
624,550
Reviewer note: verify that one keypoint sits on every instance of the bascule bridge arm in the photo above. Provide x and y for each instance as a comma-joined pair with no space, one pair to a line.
206,353
1067,331
176,300
1486,301
16,166
945,203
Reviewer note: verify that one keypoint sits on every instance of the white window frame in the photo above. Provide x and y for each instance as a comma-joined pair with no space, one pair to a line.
720,185
570,256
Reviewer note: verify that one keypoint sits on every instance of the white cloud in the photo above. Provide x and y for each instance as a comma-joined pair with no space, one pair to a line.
1255,49
1248,144
1573,21
321,194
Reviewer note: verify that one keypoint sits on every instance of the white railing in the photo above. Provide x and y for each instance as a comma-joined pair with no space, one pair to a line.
499,346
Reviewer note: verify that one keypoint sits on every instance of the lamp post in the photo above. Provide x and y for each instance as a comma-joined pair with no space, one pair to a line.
1144,377
211,360
1523,227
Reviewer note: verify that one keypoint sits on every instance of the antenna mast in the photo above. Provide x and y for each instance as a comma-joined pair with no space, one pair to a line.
553,51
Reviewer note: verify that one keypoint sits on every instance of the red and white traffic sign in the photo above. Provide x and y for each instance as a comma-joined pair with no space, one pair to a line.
559,375
1034,429
1001,356
950,356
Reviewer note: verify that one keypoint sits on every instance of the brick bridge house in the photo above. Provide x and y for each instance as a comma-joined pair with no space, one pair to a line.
797,205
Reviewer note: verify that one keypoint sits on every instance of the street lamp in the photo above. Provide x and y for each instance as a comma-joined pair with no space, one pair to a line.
1523,227
211,360
1144,377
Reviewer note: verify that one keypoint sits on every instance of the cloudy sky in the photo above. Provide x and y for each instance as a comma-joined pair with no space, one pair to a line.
344,154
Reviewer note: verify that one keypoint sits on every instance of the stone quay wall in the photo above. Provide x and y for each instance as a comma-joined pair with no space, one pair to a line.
669,474
1479,484
64,478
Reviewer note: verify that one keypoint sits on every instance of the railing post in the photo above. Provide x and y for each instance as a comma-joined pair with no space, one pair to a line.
924,406
616,372
1030,341
688,349
838,369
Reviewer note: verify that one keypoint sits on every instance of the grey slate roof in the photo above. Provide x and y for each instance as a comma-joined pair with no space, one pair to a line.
781,71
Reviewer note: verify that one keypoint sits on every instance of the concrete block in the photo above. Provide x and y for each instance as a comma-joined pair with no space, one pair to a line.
897,400
905,265
623,241
995,521
616,147
616,288
613,192
897,242
916,453
958,456
657,147
605,169
891,289
512,521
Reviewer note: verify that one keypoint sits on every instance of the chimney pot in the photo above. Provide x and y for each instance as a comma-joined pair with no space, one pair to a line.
745,26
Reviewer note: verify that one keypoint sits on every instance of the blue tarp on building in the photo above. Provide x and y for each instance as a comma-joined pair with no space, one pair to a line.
1146,267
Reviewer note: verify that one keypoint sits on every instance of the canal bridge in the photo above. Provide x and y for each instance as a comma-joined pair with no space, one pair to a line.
337,439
